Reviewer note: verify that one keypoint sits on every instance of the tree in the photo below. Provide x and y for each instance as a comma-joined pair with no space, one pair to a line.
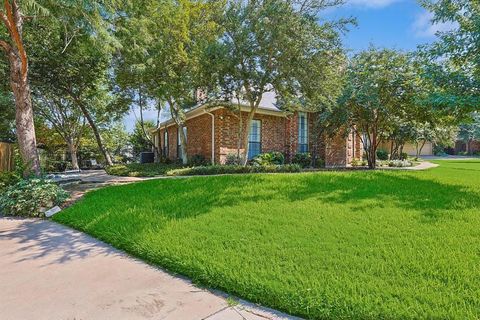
78,15
131,65
12,45
380,91
138,140
278,46
7,107
65,118
470,131
73,75
454,60
183,31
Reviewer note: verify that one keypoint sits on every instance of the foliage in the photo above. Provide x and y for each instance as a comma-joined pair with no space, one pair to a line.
303,159
470,131
269,158
165,62
138,139
233,159
359,163
382,154
7,107
140,169
399,163
7,179
454,66
276,46
31,197
198,160
233,169
381,87
323,245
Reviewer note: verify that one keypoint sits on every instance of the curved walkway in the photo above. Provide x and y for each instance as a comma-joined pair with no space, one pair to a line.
48,271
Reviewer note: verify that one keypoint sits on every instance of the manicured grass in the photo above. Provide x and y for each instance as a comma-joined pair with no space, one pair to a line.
324,245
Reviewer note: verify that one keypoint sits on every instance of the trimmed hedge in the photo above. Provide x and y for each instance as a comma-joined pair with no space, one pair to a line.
232,169
140,170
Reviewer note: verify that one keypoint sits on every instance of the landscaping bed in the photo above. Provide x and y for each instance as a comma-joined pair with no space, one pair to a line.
325,245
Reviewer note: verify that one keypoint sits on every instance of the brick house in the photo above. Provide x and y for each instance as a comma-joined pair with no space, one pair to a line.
213,133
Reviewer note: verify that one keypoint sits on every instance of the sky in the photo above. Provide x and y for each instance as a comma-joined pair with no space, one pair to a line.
396,24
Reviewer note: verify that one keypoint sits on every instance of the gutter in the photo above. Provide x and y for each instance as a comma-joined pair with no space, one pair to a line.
213,135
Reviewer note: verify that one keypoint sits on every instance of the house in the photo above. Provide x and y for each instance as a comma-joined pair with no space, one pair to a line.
213,132
409,148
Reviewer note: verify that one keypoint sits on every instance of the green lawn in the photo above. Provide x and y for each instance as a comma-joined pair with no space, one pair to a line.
323,245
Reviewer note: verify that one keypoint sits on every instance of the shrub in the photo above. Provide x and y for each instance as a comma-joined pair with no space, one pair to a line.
198,160
269,158
399,163
439,151
303,159
140,169
382,154
31,197
8,178
235,169
359,163
232,159
404,156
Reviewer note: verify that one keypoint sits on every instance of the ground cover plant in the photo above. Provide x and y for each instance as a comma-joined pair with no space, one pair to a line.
323,245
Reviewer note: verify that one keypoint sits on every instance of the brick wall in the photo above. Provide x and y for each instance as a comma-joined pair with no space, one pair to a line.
278,133
227,123
199,133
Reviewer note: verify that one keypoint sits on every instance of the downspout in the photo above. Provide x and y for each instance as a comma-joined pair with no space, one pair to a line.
213,135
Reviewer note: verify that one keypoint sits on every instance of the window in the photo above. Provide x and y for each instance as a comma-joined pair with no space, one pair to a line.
254,139
302,132
179,143
165,144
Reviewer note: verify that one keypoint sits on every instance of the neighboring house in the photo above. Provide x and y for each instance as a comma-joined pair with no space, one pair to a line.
472,148
213,133
410,148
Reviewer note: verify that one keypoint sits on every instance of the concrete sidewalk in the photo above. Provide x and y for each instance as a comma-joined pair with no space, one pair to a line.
48,271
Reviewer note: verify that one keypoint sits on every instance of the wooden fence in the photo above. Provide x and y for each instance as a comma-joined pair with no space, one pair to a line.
6,157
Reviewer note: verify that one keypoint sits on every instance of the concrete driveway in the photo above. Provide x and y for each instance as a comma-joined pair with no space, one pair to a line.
48,271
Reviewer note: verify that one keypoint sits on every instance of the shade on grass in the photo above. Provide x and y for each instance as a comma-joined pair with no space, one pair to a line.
321,245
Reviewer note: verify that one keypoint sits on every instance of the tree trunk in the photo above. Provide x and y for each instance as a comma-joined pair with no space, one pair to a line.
73,154
96,133
176,116
25,127
17,57
372,161
246,132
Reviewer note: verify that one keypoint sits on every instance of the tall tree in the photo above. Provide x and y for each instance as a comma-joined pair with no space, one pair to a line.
131,68
380,91
65,118
7,107
470,132
279,46
172,37
12,44
74,73
454,60
80,15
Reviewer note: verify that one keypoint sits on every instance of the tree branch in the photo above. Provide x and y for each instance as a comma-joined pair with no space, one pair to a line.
14,19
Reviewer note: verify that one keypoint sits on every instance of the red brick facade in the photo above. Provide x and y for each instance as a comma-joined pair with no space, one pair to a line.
279,132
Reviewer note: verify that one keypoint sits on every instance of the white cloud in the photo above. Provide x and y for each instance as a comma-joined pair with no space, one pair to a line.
372,3
423,27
